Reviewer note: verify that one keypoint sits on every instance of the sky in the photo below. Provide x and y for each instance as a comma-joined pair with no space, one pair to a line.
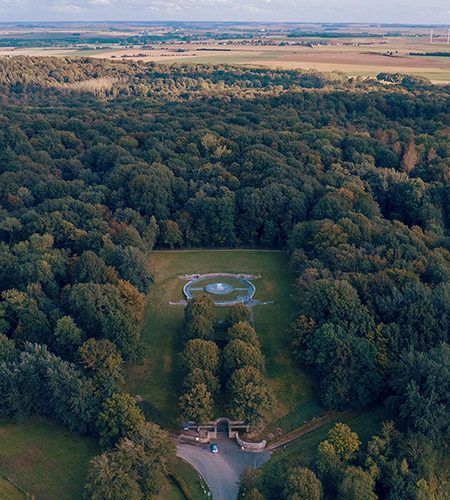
388,11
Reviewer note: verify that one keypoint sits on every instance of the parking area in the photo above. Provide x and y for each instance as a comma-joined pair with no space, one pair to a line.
222,470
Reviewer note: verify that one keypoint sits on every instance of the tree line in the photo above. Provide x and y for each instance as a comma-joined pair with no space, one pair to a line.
393,466
237,368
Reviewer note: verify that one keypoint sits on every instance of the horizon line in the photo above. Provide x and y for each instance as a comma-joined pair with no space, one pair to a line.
114,21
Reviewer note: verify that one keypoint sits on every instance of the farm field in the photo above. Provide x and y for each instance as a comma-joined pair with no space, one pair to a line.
352,56
43,459
158,379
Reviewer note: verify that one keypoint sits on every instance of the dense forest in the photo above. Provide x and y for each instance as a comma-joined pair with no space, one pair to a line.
101,162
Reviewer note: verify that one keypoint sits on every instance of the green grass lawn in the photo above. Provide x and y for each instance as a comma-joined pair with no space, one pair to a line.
10,492
44,459
158,378
184,484
190,480
170,490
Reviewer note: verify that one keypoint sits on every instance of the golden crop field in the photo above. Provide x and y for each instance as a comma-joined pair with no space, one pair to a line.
355,55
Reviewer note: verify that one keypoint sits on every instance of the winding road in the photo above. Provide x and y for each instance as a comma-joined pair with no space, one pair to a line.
222,470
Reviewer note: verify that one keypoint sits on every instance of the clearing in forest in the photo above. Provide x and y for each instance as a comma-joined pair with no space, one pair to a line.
157,380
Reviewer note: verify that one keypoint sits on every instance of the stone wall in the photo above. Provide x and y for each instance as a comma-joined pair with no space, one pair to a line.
194,439
250,446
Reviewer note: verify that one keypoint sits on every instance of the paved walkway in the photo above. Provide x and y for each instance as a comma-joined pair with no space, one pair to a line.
222,470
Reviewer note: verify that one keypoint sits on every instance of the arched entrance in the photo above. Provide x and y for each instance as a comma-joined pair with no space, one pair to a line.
222,428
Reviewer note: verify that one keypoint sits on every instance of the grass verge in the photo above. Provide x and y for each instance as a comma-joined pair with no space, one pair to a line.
9,491
44,459
189,481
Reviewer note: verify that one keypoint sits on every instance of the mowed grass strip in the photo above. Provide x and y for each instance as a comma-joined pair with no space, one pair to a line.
185,483
190,480
44,459
170,490
10,492
158,379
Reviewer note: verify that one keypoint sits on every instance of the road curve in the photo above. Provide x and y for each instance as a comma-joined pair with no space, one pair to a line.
222,470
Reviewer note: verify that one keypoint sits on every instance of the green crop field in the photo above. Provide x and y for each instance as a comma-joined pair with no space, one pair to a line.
158,378
43,459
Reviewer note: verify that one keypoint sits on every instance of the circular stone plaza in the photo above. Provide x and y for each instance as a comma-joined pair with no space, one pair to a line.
227,289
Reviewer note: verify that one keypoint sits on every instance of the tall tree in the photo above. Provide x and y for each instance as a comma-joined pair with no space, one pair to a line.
198,320
170,234
357,485
68,337
302,484
120,417
245,332
201,354
237,312
421,385
410,157
249,397
104,363
111,477
197,404
239,354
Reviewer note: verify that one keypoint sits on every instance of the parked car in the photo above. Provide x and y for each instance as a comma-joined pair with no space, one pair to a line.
214,448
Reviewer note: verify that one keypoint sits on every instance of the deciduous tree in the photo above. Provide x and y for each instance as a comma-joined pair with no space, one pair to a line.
239,354
357,485
242,330
249,397
120,417
202,354
238,312
303,484
197,404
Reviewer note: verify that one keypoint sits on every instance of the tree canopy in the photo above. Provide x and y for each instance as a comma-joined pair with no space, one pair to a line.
350,176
